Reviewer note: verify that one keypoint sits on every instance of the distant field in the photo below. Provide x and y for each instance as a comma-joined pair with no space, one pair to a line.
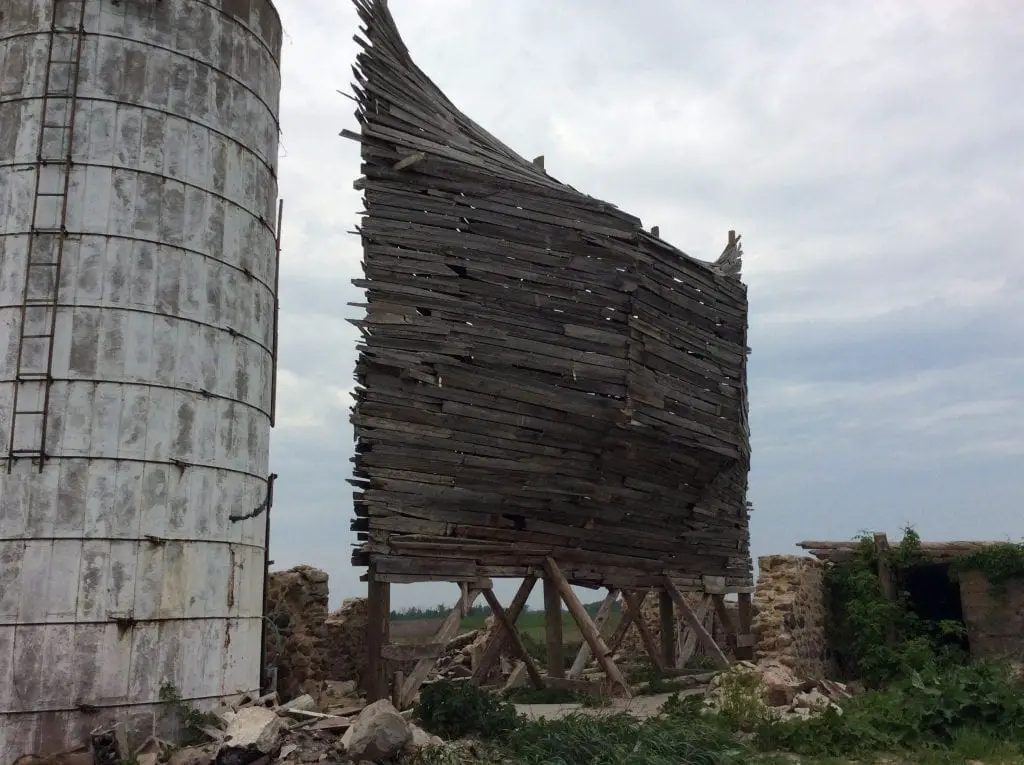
531,624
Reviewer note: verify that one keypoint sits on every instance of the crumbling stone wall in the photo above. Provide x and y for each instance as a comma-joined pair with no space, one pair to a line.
345,632
296,633
994,618
789,615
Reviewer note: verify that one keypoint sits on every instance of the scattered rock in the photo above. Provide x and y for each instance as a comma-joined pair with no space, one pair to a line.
377,733
253,733
778,689
191,756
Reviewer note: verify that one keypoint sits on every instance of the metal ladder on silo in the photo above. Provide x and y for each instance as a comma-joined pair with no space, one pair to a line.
41,290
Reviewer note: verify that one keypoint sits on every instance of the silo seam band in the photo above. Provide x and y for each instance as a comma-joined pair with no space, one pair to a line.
133,620
108,308
108,705
159,386
156,541
168,462
158,242
162,176
227,75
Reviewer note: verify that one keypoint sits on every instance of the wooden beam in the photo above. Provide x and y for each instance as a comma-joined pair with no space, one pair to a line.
587,628
716,653
378,611
444,633
723,614
667,621
620,632
413,651
553,629
631,602
745,638
513,636
688,638
603,614
493,649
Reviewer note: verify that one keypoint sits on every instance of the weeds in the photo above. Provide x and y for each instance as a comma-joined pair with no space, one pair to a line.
190,719
456,709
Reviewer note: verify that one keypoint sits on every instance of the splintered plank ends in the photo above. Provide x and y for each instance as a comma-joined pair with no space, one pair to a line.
538,377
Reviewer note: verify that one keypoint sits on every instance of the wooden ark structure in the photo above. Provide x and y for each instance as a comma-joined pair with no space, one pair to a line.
545,389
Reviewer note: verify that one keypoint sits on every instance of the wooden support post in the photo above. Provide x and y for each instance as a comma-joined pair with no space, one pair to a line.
378,611
667,621
445,632
885,579
694,624
603,614
688,638
587,628
630,601
745,636
513,636
553,629
493,648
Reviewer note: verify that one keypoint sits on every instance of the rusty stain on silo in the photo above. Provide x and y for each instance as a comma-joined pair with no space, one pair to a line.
138,167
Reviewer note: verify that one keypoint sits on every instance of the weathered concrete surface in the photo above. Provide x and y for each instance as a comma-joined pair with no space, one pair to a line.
994,617
121,569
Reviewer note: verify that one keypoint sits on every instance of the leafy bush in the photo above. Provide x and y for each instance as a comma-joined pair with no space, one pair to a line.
1000,564
934,708
455,709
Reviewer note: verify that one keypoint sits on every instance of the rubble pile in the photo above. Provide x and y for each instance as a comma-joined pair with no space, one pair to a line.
261,731
777,688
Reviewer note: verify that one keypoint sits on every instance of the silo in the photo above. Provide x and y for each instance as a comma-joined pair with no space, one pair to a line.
138,260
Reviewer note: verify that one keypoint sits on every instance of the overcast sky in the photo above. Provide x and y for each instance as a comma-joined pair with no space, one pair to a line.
872,156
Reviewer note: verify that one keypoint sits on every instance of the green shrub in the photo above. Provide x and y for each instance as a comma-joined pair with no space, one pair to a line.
936,708
455,709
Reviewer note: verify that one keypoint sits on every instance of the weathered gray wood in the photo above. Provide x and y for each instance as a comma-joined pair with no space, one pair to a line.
712,648
444,633
603,614
512,634
493,648
538,375
587,628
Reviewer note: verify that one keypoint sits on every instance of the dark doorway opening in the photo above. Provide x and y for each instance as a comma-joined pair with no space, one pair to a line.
934,597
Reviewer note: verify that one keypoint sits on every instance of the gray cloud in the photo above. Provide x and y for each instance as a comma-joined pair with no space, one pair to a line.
869,152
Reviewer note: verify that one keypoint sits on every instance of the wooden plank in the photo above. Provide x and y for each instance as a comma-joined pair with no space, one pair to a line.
631,603
553,629
687,637
378,609
513,637
493,648
587,628
714,651
412,651
444,633
603,614
745,641
723,614
620,632
667,623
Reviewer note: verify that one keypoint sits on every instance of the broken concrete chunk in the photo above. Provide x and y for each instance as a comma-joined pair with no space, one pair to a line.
303,703
253,733
379,732
190,756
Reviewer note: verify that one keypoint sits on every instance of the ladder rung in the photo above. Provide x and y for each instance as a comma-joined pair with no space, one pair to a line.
40,265
37,336
39,302
50,194
56,126
31,376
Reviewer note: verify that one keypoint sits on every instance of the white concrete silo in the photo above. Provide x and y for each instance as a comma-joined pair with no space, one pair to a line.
138,156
